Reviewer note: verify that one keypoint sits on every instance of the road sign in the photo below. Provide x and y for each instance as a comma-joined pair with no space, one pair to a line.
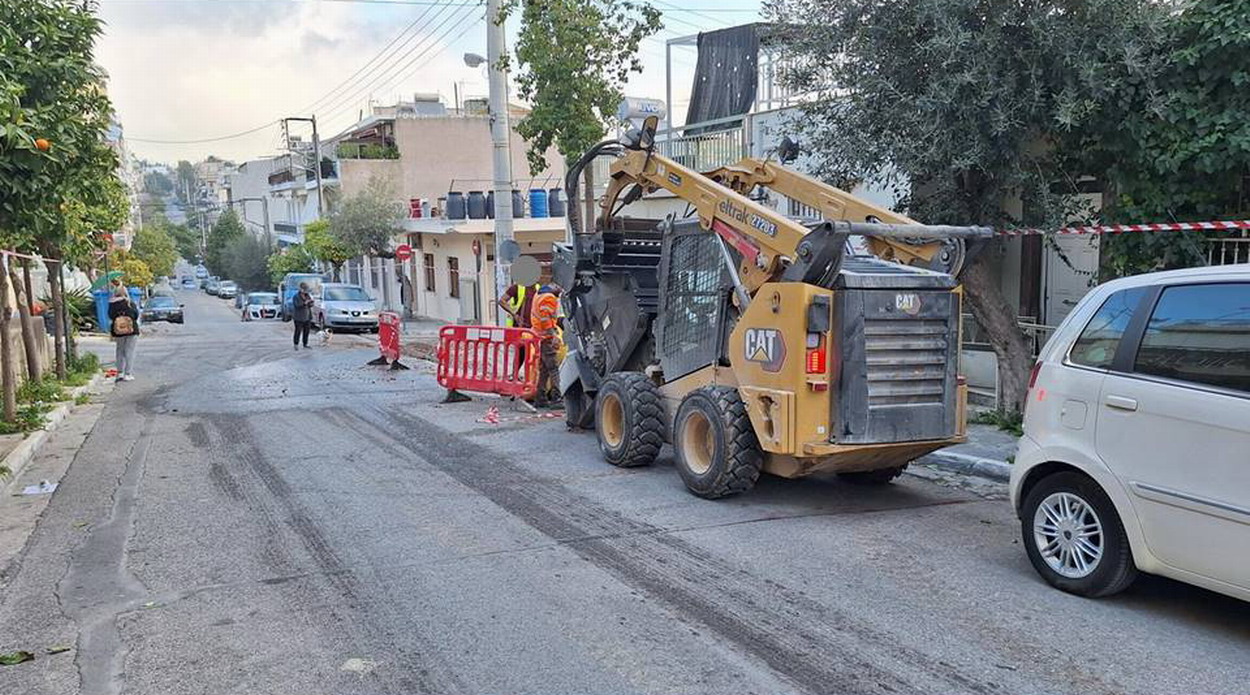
403,252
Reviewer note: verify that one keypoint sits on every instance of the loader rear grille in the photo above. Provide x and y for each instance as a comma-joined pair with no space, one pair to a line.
906,361
899,352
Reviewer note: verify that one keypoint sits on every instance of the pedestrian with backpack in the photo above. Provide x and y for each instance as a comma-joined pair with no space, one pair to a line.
124,327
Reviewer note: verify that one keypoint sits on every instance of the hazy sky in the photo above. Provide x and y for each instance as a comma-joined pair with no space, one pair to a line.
196,69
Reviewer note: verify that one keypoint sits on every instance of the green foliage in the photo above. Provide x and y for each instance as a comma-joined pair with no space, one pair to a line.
157,183
366,221
227,228
186,241
961,106
80,305
28,419
354,150
574,58
154,245
135,273
292,259
184,180
322,243
51,89
245,260
40,391
82,399
1183,150
85,363
1012,422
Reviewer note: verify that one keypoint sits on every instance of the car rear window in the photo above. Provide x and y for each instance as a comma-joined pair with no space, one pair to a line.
1200,334
1098,342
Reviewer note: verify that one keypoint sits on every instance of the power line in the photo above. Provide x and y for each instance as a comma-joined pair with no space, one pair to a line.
465,23
203,140
376,57
355,93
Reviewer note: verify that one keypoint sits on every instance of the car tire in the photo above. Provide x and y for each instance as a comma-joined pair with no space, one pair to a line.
629,419
1076,509
881,476
718,453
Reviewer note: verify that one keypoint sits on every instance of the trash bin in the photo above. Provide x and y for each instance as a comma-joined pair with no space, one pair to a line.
101,309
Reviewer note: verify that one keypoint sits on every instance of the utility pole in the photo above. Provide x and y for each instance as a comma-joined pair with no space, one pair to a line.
316,140
502,154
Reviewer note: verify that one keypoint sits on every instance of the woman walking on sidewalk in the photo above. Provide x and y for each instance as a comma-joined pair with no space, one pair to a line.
124,327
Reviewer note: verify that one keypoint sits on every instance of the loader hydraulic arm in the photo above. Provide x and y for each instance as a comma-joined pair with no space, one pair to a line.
761,235
831,202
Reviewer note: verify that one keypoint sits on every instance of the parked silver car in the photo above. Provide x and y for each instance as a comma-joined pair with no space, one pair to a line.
344,307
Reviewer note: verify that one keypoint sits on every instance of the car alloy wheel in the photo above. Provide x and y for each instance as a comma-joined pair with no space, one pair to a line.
1068,535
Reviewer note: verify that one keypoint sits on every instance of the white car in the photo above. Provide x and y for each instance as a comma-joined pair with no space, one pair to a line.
1136,446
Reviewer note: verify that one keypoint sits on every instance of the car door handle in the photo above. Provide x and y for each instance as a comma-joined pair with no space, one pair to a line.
1121,403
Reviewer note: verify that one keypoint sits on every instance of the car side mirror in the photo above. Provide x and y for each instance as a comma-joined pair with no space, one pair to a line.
182,306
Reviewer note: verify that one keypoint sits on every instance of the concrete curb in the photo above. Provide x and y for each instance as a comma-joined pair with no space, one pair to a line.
968,465
20,457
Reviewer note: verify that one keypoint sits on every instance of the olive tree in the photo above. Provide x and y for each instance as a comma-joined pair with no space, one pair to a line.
973,112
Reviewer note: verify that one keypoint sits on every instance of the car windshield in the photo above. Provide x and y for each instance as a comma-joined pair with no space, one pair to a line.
161,302
346,294
262,298
228,285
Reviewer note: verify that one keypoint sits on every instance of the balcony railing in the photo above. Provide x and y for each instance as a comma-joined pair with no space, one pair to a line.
1228,251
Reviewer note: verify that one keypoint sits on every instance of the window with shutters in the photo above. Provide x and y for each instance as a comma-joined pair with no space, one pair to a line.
429,272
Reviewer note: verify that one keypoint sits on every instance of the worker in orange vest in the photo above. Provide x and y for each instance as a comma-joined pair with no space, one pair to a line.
545,321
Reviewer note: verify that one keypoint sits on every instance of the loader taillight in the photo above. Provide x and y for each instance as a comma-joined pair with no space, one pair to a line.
817,360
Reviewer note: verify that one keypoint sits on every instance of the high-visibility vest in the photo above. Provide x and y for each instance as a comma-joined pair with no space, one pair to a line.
543,314
517,302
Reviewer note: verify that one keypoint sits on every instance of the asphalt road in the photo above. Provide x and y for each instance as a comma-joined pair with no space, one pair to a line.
248,519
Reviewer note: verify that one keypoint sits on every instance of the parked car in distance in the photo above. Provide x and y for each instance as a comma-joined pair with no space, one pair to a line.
210,285
201,272
344,307
1136,446
290,285
261,305
162,308
227,289
188,283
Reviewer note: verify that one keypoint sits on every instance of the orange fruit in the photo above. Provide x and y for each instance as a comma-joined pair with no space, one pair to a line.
43,145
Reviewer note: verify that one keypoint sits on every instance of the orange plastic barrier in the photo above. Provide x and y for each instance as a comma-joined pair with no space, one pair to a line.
488,359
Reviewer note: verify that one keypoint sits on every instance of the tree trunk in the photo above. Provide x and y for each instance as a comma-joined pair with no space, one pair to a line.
58,301
71,350
6,350
998,320
30,346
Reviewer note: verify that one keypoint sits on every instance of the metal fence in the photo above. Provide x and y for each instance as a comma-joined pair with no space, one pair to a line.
1228,251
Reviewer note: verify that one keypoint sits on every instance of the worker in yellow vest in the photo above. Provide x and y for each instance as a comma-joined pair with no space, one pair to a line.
517,301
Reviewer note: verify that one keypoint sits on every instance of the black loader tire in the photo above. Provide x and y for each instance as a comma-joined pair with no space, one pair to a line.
629,419
718,453
881,476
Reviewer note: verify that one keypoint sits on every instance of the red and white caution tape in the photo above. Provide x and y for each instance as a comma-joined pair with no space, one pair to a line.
492,416
1127,228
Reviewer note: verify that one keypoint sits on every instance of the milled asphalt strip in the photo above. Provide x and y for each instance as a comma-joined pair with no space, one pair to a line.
98,588
819,648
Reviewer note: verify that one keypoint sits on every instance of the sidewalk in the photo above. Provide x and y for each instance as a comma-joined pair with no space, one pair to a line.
987,453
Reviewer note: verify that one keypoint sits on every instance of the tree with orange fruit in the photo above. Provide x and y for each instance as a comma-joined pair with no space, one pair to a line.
58,183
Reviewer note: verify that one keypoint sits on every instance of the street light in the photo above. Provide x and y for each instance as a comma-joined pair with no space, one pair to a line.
473,60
